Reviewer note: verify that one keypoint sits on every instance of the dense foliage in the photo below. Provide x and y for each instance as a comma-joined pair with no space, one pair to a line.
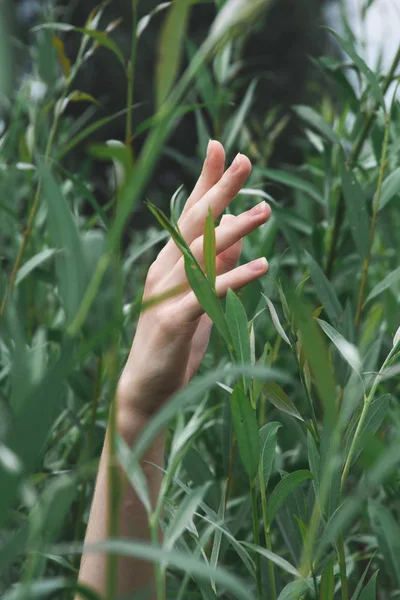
282,457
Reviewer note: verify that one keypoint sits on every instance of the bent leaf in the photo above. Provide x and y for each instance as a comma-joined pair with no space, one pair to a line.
280,399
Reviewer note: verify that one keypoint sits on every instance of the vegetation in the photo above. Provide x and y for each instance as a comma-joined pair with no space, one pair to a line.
281,476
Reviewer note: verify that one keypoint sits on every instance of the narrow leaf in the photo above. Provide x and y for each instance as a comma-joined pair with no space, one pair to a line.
34,262
209,249
276,321
283,489
102,39
184,516
369,592
390,188
327,586
64,234
347,350
325,291
311,117
170,48
356,208
280,562
280,399
245,425
236,318
268,437
363,67
386,283
388,533
295,183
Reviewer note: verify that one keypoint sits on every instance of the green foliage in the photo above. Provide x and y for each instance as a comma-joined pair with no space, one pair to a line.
281,477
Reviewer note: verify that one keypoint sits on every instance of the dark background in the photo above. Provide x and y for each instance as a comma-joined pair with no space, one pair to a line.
278,53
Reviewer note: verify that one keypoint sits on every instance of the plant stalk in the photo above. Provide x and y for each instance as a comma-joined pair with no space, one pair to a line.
267,535
375,211
256,536
343,568
355,154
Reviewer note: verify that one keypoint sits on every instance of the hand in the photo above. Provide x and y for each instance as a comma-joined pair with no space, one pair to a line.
172,336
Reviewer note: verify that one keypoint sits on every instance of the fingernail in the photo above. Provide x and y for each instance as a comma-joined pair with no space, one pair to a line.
236,163
257,209
209,148
258,265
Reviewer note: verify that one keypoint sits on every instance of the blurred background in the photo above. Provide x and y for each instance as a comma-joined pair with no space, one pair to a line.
278,53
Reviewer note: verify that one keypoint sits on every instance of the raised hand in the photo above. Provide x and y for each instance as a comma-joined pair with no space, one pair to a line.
172,336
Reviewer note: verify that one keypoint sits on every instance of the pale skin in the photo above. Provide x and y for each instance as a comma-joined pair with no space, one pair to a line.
169,346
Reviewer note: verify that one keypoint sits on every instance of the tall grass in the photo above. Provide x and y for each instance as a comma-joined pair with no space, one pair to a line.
281,472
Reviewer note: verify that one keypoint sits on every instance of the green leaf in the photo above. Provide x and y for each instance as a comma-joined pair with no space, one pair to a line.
84,133
32,263
386,283
311,117
363,67
235,125
70,264
268,437
295,183
369,592
236,319
217,540
170,49
280,399
178,560
315,353
375,415
6,57
102,39
325,291
184,516
277,560
390,188
245,425
356,208
295,590
276,321
209,249
357,591
347,350
45,588
387,530
283,489
207,297
327,586
144,21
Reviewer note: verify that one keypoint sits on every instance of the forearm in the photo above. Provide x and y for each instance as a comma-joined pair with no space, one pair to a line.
133,574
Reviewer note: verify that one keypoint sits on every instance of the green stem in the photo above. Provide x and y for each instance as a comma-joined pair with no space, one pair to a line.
367,401
355,154
343,568
267,534
375,211
131,74
256,535
160,587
